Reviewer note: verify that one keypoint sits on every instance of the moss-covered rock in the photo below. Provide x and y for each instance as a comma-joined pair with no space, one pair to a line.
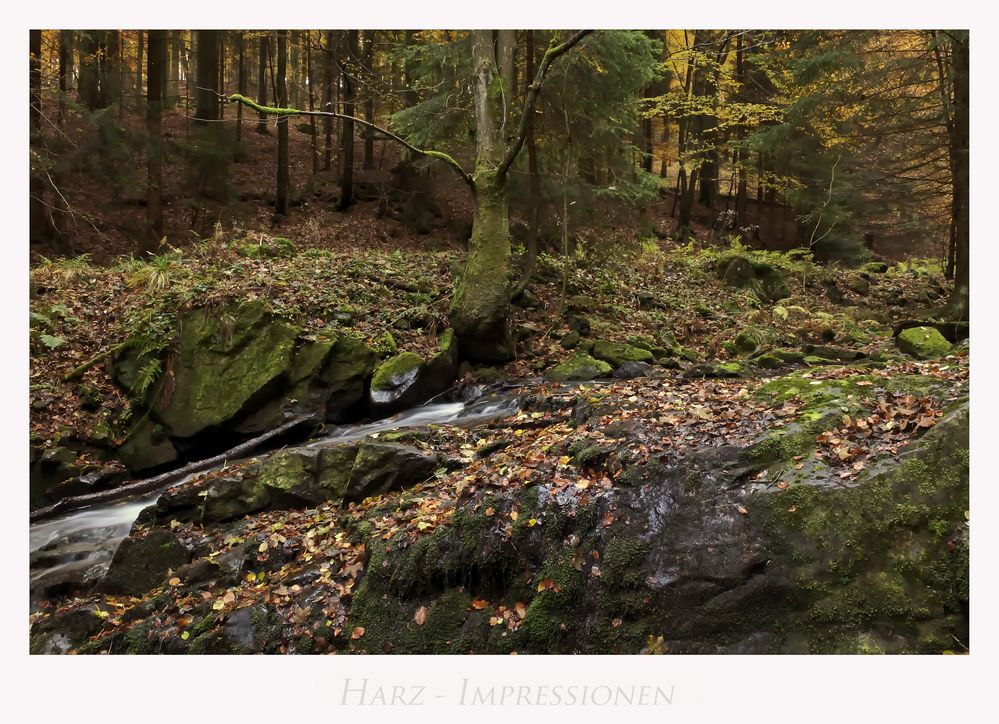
142,562
228,361
579,367
394,377
744,272
147,447
617,353
922,342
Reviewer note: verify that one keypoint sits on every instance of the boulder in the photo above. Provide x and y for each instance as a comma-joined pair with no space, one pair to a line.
228,362
143,562
922,343
743,272
630,370
407,380
579,367
394,382
147,447
570,340
383,466
617,353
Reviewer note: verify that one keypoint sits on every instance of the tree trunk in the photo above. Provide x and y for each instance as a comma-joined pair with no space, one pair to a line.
369,103
140,51
240,82
65,69
349,96
89,86
35,81
534,197
740,157
156,58
328,102
206,95
958,306
111,69
314,143
480,310
39,226
281,205
264,51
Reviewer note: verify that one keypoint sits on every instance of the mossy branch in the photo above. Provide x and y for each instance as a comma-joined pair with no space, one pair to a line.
78,372
270,110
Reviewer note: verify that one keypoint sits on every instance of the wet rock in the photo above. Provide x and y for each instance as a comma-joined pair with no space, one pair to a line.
630,370
141,563
148,447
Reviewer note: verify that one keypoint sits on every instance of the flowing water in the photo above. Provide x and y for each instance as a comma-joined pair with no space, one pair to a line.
78,547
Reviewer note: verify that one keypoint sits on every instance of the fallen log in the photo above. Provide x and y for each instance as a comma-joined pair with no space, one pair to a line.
160,481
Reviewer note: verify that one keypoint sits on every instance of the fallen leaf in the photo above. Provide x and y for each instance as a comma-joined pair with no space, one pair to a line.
357,633
420,616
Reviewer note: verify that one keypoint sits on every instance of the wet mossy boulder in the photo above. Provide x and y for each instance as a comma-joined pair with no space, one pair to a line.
617,353
743,272
143,562
395,379
147,447
406,379
578,368
228,362
922,342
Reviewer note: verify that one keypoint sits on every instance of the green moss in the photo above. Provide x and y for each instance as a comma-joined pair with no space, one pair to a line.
617,353
394,370
624,563
923,342
552,619
580,366
226,360
886,557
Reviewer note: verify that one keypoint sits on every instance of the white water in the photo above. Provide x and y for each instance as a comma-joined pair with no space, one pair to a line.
79,545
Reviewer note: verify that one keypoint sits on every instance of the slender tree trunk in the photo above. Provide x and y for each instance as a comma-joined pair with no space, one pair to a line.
111,69
240,81
281,205
89,86
206,95
39,226
264,52
327,102
294,93
140,50
960,165
65,70
312,101
154,162
221,85
349,96
741,156
35,80
534,197
369,103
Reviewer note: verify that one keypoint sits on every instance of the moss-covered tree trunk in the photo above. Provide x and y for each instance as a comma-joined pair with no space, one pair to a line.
481,302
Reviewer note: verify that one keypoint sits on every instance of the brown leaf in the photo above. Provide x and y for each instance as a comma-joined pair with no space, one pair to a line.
479,603
420,616
357,633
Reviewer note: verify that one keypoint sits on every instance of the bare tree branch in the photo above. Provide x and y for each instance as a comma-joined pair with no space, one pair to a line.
439,155
532,96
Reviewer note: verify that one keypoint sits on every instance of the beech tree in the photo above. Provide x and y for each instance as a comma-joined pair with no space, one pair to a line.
481,305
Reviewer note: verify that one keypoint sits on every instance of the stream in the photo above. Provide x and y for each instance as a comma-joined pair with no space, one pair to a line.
77,548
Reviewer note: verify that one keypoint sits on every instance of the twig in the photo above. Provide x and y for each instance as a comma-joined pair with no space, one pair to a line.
150,484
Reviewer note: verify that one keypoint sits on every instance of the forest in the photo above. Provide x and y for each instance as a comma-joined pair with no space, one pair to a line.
499,341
